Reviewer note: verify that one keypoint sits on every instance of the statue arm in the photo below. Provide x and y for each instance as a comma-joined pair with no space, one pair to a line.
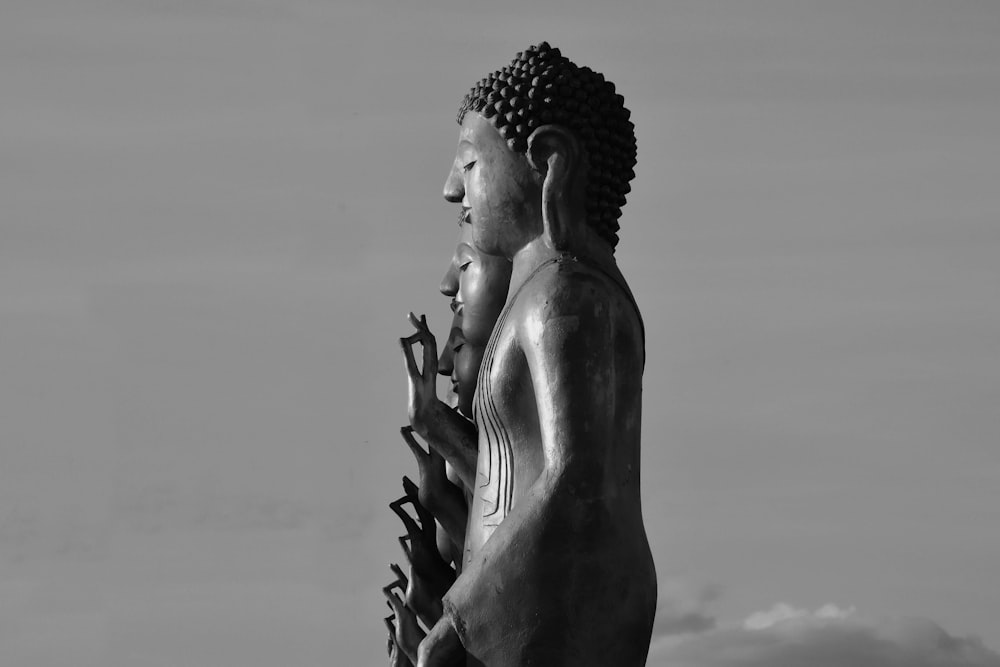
455,438
449,433
437,493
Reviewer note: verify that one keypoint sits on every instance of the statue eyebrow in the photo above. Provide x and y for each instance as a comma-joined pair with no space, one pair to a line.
466,251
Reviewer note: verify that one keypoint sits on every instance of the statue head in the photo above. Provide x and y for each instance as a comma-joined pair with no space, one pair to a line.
557,118
477,284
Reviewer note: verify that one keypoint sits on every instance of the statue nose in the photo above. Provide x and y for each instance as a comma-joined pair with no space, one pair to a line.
449,284
446,363
454,189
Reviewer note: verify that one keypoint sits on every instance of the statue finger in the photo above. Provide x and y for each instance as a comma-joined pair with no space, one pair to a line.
411,490
410,362
387,589
403,539
419,324
429,343
394,601
400,577
425,517
413,493
397,507
430,357
390,642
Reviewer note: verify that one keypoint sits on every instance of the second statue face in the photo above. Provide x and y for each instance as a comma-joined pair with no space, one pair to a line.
478,285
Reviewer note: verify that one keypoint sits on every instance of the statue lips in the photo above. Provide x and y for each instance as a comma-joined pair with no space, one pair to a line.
456,341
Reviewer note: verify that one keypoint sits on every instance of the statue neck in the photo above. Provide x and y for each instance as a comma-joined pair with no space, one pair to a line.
527,259
538,251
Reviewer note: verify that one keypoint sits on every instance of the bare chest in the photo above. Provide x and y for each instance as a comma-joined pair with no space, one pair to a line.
510,455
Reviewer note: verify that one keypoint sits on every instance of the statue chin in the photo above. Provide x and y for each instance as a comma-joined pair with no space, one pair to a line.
451,398
467,363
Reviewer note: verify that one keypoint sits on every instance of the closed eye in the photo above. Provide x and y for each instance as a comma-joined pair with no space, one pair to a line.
468,166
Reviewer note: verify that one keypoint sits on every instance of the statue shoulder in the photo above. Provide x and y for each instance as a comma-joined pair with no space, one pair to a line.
570,287
590,303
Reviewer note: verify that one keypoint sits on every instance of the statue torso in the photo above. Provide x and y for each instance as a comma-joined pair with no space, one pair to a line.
510,456
505,411
586,551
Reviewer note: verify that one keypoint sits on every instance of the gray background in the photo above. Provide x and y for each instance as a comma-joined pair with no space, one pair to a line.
215,214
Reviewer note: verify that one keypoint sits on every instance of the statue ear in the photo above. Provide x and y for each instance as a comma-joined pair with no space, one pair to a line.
555,152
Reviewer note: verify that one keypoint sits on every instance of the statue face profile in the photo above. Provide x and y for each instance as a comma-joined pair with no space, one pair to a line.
478,284
497,187
538,92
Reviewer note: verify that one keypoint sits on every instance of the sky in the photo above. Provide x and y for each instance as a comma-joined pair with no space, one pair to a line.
217,213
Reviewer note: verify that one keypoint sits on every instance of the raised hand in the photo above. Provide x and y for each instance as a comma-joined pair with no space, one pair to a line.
436,492
396,656
430,574
445,430
405,634
422,381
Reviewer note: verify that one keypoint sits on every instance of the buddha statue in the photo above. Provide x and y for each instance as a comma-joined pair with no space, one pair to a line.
477,285
557,569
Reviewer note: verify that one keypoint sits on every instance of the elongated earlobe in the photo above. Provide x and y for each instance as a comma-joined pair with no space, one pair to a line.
555,152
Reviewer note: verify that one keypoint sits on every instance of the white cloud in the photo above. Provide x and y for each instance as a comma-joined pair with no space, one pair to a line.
830,636
783,613
683,608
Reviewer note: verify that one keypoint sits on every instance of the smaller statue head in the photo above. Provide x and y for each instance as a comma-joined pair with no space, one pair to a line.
477,284
536,135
